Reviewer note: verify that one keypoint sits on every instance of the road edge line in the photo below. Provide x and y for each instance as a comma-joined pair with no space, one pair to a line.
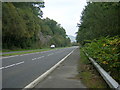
44,75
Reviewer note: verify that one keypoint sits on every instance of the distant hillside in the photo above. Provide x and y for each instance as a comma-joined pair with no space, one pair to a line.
22,27
72,38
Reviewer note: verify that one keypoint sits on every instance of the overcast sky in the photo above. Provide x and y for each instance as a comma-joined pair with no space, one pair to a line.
65,12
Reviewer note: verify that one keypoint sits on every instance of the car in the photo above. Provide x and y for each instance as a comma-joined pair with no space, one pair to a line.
52,46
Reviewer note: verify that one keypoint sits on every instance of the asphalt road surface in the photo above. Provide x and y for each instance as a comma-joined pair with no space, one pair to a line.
19,51
64,76
20,70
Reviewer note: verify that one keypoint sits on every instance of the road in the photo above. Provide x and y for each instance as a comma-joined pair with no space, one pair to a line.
64,76
20,51
20,70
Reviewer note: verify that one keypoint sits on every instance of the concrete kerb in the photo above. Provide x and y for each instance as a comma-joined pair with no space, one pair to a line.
44,75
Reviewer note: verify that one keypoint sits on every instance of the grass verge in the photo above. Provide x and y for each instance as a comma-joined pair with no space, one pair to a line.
88,74
19,53
30,51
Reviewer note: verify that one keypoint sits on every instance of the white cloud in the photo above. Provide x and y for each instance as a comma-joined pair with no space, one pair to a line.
65,12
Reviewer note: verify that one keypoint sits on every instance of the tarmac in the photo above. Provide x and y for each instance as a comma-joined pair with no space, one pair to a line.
64,76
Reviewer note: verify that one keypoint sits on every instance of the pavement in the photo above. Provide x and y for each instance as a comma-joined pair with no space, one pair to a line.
64,76
20,70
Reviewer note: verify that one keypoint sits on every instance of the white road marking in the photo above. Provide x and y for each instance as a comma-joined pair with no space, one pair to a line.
40,78
38,58
50,54
19,63
1,68
11,65
34,58
10,56
30,53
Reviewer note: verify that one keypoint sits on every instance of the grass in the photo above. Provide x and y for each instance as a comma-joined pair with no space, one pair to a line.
28,51
88,74
11,50
19,53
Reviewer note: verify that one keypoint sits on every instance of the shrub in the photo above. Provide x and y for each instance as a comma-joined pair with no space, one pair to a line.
106,51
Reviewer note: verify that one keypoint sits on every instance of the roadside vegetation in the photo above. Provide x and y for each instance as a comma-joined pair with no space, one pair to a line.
88,74
106,52
99,35
99,19
24,28
25,51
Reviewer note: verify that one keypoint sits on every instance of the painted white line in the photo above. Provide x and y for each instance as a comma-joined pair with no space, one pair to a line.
41,57
38,58
9,66
50,54
19,63
40,78
1,68
30,53
34,58
10,56
19,55
12,65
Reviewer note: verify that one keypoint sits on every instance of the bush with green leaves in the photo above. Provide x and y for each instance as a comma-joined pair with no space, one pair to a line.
106,51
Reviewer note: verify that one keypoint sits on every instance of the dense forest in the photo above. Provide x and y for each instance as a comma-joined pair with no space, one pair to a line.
99,19
23,27
99,34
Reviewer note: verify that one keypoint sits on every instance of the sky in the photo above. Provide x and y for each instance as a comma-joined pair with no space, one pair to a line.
65,12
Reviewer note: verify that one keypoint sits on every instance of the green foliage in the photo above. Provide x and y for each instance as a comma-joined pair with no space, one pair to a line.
99,19
99,34
75,44
60,41
89,74
106,51
23,27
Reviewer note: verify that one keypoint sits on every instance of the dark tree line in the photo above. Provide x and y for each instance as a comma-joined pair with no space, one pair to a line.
99,34
22,27
99,19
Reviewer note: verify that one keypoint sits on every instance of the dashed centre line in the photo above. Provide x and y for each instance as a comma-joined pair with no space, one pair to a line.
41,57
27,54
38,58
34,58
10,56
50,54
11,65
1,68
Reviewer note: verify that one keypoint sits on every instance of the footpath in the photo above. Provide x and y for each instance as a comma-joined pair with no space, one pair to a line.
64,76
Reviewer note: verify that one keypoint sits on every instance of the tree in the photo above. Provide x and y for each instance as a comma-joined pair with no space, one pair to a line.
99,19
24,28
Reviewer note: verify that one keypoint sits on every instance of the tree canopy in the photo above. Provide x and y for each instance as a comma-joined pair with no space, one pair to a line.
23,27
99,19
99,34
